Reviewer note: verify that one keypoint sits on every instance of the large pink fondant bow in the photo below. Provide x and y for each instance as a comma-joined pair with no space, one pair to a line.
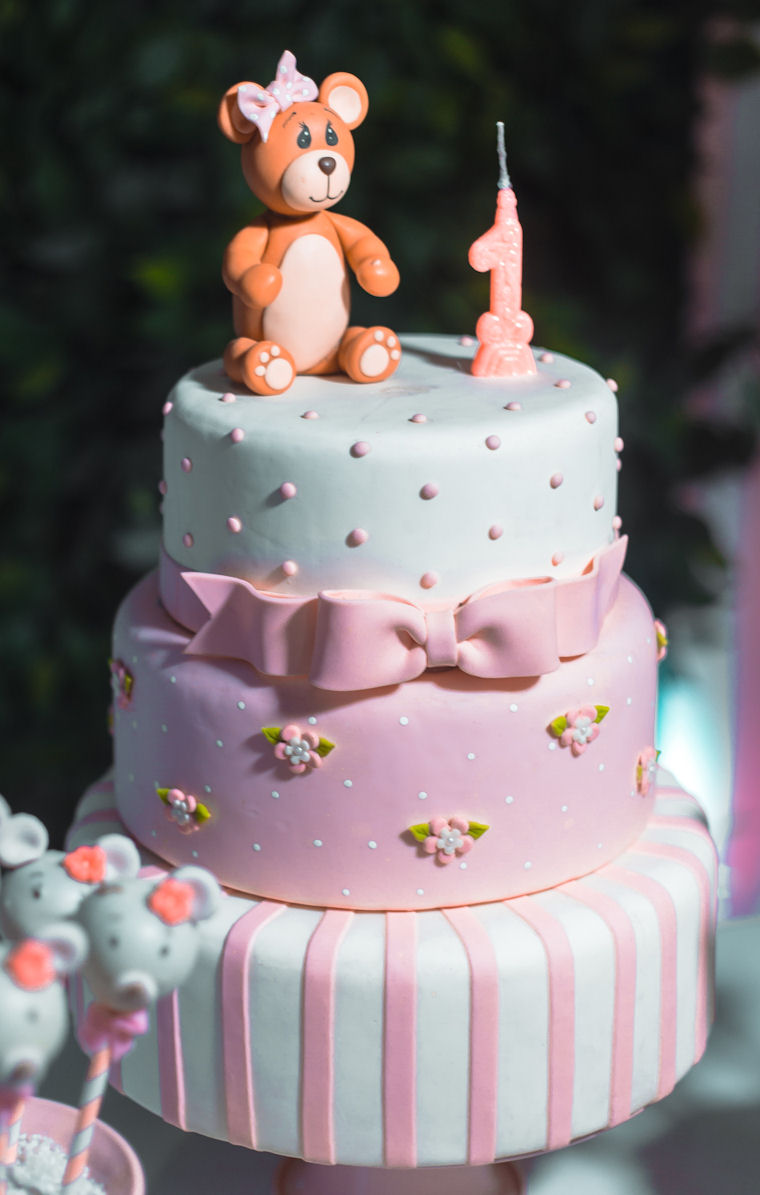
261,105
348,640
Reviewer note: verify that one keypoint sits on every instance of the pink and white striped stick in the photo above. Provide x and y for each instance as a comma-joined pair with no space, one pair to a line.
14,1131
89,1105
4,1117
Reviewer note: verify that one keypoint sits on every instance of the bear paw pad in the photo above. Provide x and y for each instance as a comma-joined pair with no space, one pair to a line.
268,368
372,355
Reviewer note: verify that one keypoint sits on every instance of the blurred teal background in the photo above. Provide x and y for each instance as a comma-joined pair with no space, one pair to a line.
118,196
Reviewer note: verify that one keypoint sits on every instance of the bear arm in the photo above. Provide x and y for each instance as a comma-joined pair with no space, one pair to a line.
367,256
243,264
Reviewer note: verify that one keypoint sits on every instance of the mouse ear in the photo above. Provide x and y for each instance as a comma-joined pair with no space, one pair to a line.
23,838
234,125
347,96
69,945
122,857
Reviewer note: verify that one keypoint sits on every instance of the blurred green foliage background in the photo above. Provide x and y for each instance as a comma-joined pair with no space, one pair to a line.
118,195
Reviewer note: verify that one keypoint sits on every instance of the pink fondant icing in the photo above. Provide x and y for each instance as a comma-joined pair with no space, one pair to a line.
188,540
310,415
462,744
237,434
418,418
234,524
166,408
429,490
187,464
493,442
612,385
590,416
563,384
357,537
495,531
288,490
360,448
227,397
290,568
598,502
555,481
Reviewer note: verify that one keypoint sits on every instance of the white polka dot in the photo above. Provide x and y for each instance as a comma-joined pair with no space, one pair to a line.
630,659
134,659
134,725
590,680
317,842
553,745
629,701
194,854
513,708
509,800
420,891
404,720
348,784
312,721
154,833
470,754
164,728
275,795
207,788
463,867
257,846
527,865
564,809
131,777
219,743
241,705
372,845
422,796
598,846
601,767
345,891
173,679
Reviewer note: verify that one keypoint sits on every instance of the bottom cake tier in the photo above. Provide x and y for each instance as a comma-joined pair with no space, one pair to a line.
445,1037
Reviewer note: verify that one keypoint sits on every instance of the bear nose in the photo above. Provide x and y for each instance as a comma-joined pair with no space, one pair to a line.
326,165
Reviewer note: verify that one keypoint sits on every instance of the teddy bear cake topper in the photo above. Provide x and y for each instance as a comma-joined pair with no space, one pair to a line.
288,270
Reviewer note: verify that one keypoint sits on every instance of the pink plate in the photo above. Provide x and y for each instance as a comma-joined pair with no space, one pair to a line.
112,1161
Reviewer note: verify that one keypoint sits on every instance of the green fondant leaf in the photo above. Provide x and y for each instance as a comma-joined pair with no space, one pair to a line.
601,713
272,733
476,829
325,747
163,793
201,813
421,831
558,726
657,754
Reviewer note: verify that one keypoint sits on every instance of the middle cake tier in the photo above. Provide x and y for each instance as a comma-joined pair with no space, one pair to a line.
444,791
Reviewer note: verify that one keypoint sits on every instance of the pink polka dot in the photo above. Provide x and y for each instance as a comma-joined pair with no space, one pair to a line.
493,442
617,523
428,580
466,340
288,490
418,418
513,406
360,448
290,568
162,487
563,384
618,464
188,540
555,481
598,502
234,524
590,416
547,358
310,415
495,531
237,434
557,558
612,385
429,490
619,445
357,537
166,408
187,464
227,397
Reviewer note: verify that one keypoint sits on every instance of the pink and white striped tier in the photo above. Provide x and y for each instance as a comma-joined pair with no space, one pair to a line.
443,1037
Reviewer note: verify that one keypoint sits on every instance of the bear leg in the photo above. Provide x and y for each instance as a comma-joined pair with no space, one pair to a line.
369,354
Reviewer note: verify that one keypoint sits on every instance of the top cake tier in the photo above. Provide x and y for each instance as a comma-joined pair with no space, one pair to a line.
428,486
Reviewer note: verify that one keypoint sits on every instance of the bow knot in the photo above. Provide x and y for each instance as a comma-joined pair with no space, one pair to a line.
441,647
260,105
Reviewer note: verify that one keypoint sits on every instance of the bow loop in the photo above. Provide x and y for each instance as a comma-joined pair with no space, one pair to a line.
260,105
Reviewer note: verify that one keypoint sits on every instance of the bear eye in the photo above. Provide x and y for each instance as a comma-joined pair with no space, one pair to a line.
164,951
331,137
304,137
37,892
113,942
32,1015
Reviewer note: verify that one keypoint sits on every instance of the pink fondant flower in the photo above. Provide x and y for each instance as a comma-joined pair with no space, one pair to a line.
661,632
184,809
448,837
646,769
122,683
172,901
581,729
298,748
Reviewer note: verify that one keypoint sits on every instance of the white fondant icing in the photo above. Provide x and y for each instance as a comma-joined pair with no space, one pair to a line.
479,488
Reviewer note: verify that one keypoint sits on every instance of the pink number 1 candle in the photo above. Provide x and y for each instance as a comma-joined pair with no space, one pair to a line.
505,330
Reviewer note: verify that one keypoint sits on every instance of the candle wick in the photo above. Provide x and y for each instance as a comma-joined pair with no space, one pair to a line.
504,180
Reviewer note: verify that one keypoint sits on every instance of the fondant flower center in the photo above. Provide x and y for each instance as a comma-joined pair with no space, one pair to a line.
450,840
297,750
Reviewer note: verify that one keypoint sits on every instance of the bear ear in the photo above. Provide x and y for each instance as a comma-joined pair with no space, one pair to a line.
205,890
122,857
231,121
347,96
23,838
69,945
